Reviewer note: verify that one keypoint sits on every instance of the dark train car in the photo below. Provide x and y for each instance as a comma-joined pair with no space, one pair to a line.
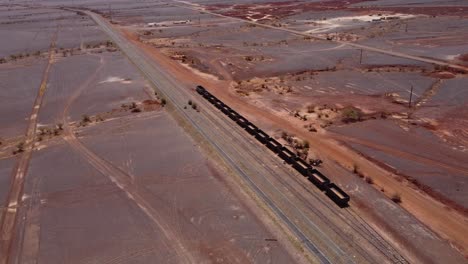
262,136
318,179
200,89
251,128
212,99
233,115
274,145
226,109
242,121
337,195
207,95
287,155
302,167
219,104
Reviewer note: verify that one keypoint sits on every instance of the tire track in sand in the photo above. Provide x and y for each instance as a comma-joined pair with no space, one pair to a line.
123,181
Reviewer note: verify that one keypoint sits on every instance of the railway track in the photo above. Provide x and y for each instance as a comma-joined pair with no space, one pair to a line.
243,159
263,155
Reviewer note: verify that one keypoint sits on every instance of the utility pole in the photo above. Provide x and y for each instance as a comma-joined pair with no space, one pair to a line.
410,97
406,28
360,58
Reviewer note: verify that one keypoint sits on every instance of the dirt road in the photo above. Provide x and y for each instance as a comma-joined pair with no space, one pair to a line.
14,200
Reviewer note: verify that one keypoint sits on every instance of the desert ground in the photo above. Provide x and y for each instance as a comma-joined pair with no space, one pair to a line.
108,155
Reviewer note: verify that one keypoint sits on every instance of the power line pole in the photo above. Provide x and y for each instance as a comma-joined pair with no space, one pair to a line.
360,58
410,97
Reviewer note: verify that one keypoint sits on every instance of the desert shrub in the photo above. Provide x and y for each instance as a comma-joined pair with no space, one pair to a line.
85,119
284,135
351,114
369,180
396,197
19,148
163,102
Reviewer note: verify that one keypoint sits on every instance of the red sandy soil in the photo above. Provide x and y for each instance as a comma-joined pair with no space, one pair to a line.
283,9
431,11
445,221
463,57
442,75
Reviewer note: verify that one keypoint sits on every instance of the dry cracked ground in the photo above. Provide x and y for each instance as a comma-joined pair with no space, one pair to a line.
94,169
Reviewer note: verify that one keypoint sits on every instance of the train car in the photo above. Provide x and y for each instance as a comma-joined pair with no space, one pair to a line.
212,99
219,104
206,95
318,179
200,89
337,195
226,109
274,145
302,167
242,121
251,128
262,136
233,115
287,155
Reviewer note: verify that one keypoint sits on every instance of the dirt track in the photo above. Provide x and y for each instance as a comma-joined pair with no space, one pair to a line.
9,215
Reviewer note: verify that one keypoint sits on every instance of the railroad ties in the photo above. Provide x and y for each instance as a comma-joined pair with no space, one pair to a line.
313,175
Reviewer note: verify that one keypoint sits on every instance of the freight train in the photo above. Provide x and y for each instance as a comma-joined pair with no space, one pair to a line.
324,184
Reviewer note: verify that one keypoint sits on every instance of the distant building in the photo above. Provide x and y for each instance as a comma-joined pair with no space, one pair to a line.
164,24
